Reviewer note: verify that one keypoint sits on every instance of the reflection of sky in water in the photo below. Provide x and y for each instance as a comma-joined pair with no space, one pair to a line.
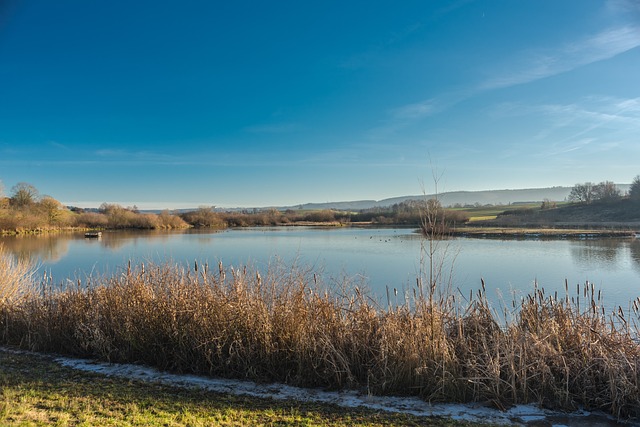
516,264
380,257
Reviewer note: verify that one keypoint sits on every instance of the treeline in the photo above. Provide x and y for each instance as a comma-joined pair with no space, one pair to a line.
25,210
604,191
409,213
413,212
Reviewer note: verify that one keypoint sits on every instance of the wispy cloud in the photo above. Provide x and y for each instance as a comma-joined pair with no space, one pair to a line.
274,128
595,109
143,156
591,125
540,64
597,112
376,53
621,9
109,152
58,145
559,149
403,116
415,111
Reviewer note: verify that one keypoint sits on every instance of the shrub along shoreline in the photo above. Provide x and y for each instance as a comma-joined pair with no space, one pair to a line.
285,326
26,212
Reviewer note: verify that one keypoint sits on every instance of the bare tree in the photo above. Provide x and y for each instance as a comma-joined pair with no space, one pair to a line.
582,193
436,256
634,190
23,195
606,191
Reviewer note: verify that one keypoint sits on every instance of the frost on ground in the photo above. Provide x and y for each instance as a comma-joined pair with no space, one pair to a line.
518,415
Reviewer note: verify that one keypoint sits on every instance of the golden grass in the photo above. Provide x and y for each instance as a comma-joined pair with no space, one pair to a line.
559,351
15,276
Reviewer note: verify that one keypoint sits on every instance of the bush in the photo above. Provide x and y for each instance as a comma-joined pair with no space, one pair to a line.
91,220
168,221
203,217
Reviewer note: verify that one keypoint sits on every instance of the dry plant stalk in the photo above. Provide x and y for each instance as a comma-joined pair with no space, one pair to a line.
285,325
16,276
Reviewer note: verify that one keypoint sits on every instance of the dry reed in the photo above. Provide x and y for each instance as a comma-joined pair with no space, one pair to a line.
282,325
16,276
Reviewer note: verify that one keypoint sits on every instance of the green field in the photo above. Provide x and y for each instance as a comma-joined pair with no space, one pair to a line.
482,213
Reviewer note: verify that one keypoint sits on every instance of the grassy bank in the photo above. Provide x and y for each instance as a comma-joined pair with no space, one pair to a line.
562,351
34,390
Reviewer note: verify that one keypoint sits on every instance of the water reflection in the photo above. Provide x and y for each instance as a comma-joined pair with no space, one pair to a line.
634,249
116,240
37,247
387,258
601,253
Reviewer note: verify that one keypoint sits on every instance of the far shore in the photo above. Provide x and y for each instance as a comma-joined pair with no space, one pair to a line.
621,231
631,230
501,232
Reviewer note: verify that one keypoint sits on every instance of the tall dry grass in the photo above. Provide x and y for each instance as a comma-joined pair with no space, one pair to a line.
284,325
16,277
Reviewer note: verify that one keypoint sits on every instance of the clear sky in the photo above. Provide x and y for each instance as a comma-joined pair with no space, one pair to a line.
168,104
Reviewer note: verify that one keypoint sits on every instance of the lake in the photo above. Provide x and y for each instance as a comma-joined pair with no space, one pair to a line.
378,258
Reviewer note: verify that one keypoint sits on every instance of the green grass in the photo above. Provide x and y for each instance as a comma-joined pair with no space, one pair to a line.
493,211
481,218
36,391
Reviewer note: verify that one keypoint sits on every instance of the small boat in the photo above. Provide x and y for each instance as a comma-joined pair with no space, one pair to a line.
93,235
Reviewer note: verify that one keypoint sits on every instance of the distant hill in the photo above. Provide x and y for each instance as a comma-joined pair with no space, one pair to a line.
494,197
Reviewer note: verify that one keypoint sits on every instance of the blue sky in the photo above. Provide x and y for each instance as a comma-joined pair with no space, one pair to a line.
249,103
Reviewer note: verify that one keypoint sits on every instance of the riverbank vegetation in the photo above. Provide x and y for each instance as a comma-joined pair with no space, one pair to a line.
25,211
285,325
589,206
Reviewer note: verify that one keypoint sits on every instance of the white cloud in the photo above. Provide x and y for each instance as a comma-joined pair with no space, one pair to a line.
541,64
107,152
596,111
58,145
273,128
144,156
415,111
623,8
599,111
534,66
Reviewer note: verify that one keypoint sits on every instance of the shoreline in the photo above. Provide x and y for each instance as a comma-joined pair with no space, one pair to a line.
464,231
525,232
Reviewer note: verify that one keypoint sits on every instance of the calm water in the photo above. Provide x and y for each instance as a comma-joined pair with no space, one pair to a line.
378,258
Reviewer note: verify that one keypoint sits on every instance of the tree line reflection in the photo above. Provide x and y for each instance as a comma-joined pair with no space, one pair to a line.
589,253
